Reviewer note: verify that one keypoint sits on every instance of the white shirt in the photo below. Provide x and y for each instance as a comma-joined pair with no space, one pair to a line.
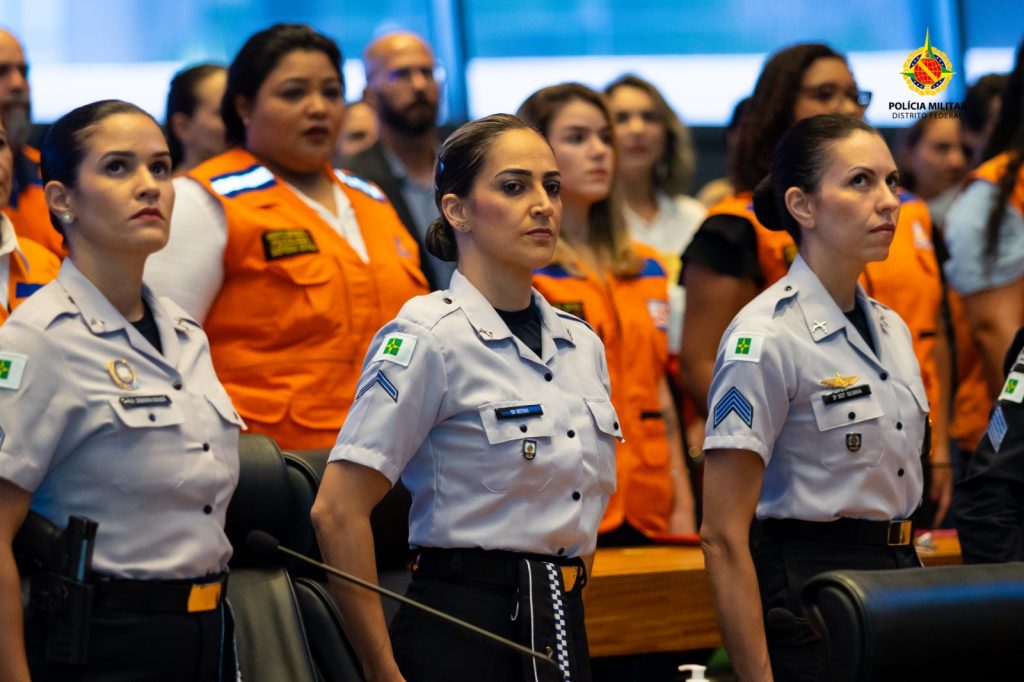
96,422
499,448
670,232
778,390
190,269
8,245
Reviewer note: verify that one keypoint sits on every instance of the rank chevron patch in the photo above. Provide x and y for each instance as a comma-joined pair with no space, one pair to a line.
734,401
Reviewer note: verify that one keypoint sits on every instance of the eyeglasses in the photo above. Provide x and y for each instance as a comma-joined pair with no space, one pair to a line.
430,74
827,93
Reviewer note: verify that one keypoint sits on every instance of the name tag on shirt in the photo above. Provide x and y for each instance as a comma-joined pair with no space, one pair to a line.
130,402
845,394
518,411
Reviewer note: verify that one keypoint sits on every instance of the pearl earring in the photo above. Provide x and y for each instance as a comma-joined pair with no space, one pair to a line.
67,218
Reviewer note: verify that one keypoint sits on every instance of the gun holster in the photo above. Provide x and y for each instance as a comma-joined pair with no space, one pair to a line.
58,564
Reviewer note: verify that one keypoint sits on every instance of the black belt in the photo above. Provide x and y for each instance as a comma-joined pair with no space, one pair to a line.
842,531
167,596
490,566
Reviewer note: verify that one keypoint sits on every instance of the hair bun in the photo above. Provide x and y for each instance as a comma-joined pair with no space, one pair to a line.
765,208
440,241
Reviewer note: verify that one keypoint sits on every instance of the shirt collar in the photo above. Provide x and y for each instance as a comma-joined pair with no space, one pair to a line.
822,314
8,239
488,324
99,314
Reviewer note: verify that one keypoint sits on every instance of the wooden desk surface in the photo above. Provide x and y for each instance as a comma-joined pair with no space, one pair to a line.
651,599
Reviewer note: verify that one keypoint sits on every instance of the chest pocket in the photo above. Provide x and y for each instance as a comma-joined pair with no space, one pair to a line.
148,450
608,429
851,430
520,452
320,281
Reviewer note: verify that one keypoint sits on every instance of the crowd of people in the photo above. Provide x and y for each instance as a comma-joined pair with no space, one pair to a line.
531,324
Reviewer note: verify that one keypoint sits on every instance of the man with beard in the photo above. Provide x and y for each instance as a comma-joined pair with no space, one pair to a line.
402,88
26,206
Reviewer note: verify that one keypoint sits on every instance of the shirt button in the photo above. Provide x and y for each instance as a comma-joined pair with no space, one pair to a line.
899,426
522,427
576,494
900,472
207,509
571,433
206,447
884,375
548,376
615,426
852,415
789,288
177,384
561,550
447,300
152,417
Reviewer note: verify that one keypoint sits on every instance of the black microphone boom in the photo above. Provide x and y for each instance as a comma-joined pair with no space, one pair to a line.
265,544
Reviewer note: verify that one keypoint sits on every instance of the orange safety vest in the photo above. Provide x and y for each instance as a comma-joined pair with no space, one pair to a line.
298,307
29,213
993,171
31,268
630,314
907,281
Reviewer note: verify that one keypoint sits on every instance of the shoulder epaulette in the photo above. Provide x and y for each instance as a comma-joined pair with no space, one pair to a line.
574,318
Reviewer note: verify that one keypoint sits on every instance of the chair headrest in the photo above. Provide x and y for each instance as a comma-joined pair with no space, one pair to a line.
924,623
262,500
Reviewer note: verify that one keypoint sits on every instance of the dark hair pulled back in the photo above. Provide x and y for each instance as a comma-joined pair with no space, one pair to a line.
258,57
459,162
64,146
181,99
800,160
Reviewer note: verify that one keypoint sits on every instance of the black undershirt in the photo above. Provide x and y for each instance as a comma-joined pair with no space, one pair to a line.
726,244
147,327
860,320
525,324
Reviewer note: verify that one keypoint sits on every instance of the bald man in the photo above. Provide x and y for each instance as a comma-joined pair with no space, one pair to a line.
402,88
26,206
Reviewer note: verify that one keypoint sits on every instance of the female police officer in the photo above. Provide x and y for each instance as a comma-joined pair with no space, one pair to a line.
817,411
493,407
110,409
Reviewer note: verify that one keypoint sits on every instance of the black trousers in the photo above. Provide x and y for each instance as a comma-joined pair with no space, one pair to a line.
431,650
783,567
129,646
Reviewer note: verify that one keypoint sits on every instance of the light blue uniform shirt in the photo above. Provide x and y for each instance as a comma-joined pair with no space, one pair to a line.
967,268
97,423
839,427
499,448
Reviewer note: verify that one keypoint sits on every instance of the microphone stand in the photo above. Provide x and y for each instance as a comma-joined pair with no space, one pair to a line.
264,542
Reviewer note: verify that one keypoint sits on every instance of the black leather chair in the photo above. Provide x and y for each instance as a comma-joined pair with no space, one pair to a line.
942,623
389,521
287,628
